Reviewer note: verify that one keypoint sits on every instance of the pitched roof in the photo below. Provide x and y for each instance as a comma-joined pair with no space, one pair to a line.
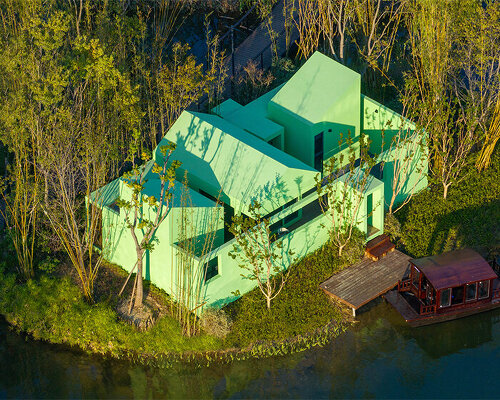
454,268
223,155
317,86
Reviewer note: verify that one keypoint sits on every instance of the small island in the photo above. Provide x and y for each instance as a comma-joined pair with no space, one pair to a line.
178,188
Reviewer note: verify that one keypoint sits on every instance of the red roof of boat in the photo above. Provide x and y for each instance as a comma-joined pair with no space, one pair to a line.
455,268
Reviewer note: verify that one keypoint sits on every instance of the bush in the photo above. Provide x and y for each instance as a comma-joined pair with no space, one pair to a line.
300,308
216,322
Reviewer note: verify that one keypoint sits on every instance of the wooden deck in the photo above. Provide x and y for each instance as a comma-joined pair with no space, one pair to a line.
366,280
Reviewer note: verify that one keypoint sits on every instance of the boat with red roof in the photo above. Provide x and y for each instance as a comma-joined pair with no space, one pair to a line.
445,287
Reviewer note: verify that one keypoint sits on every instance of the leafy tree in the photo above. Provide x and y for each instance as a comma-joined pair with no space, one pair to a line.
144,214
262,256
454,80
342,191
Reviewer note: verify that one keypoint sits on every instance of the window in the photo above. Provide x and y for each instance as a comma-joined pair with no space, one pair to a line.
212,268
483,290
415,277
470,292
457,295
445,298
318,152
291,217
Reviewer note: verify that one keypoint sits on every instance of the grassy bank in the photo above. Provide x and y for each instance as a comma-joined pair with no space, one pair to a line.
52,308
469,217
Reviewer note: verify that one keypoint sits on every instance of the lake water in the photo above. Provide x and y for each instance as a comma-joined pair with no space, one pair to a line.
379,357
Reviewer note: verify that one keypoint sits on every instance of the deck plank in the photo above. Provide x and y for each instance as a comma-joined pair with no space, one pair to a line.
366,280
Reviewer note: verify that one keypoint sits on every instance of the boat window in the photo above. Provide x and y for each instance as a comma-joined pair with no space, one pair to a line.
483,290
470,292
457,295
445,298
415,277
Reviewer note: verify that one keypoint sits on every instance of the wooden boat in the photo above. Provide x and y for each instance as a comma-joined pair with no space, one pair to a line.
445,287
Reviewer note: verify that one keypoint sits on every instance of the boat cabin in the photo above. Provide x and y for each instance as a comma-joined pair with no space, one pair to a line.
449,282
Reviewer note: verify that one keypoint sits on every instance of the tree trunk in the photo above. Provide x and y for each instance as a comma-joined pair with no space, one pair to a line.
268,302
139,288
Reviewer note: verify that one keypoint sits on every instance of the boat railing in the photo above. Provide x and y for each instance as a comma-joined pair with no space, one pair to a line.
427,309
404,285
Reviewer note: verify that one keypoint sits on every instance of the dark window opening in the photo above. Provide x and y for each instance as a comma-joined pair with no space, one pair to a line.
483,290
318,152
291,217
471,292
445,298
415,278
228,220
212,269
310,191
457,295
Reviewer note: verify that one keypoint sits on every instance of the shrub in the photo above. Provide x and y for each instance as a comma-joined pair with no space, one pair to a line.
299,309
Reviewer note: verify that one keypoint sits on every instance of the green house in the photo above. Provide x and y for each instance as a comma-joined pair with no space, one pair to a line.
270,151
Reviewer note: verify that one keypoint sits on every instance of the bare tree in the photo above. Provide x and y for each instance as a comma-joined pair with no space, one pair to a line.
409,155
377,23
342,191
196,240
261,255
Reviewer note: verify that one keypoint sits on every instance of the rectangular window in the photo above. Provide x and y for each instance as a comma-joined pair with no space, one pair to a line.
318,152
457,295
415,277
212,268
471,292
483,290
445,298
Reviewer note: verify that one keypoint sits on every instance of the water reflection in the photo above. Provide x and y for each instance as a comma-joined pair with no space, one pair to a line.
379,357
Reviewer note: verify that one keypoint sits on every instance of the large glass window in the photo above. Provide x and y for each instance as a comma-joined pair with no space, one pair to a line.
445,298
470,292
457,295
483,290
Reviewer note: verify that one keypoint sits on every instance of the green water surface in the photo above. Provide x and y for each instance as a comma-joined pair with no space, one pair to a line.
380,357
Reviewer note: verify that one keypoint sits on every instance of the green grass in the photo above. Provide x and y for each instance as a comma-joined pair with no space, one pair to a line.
301,307
469,217
54,310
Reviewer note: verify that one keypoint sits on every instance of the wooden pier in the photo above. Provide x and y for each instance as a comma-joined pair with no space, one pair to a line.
364,281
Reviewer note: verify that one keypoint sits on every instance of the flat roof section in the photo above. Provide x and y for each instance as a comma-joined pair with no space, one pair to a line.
253,118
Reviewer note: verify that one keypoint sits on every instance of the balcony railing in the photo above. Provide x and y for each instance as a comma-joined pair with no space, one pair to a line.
426,310
404,286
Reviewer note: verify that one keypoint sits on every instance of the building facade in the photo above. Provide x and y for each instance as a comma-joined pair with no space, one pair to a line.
271,150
